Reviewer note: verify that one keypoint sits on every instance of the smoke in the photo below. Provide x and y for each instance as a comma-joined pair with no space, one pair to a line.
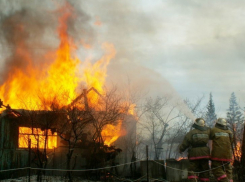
131,27
28,31
143,83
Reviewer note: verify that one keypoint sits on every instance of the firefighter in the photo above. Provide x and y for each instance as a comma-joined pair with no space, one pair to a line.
221,154
196,141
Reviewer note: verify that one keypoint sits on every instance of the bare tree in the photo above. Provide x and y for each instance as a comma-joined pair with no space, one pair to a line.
166,122
110,108
72,129
158,114
183,125
85,119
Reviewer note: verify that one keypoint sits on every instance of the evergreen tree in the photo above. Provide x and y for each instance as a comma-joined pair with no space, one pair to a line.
210,115
234,114
235,119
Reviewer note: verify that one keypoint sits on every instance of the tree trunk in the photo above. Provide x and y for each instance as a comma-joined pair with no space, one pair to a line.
68,166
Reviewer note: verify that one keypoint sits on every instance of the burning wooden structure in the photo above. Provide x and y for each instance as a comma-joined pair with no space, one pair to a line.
59,134
41,139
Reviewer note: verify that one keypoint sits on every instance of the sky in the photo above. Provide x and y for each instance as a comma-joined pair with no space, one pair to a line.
195,46
186,47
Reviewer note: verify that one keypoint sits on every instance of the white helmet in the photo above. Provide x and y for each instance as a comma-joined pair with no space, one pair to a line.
222,121
200,122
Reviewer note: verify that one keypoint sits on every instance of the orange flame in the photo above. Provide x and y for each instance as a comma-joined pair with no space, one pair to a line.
62,73
111,133
27,85
37,137
180,158
131,109
61,79
237,151
95,74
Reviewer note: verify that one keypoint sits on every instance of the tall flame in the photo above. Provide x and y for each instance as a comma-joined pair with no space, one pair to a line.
32,85
62,76
95,74
60,80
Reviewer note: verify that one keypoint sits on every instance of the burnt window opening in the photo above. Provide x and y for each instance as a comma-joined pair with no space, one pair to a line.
38,138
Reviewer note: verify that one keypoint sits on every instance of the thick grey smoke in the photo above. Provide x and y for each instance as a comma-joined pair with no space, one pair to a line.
196,45
31,26
145,83
131,27
29,33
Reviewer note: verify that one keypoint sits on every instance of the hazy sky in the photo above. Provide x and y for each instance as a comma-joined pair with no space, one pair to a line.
188,46
196,46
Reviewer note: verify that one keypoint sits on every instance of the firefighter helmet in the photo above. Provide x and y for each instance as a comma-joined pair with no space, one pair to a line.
200,122
222,121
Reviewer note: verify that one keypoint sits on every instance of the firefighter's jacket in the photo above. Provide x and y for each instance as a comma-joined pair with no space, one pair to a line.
222,143
196,141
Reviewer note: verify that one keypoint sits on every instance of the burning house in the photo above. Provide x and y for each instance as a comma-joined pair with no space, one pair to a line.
70,138
50,125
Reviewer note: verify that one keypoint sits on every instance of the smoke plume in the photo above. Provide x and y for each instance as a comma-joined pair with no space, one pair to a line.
28,34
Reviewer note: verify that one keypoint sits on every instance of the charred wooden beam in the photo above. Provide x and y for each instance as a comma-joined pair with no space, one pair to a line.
84,96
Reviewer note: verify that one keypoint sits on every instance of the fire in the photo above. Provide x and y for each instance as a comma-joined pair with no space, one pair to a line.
62,73
110,133
37,137
27,87
237,151
95,74
180,158
131,109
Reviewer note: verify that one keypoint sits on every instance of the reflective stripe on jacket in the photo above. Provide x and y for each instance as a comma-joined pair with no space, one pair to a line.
221,147
196,140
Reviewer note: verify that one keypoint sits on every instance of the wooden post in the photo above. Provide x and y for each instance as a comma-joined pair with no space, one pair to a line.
53,161
29,160
85,99
147,164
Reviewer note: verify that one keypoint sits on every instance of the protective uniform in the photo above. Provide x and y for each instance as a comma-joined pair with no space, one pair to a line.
221,154
198,153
